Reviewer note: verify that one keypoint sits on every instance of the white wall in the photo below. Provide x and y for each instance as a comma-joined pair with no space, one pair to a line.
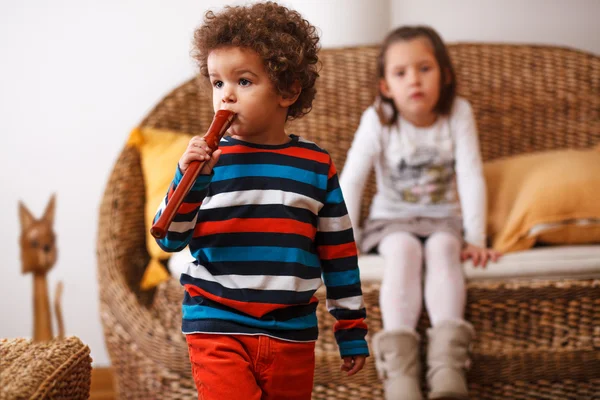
346,22
573,23
77,75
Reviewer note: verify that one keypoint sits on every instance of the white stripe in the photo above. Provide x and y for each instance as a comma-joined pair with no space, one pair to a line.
347,303
178,227
183,226
258,282
335,224
302,140
162,205
261,197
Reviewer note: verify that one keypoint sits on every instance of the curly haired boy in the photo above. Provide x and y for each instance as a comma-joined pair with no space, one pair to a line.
266,220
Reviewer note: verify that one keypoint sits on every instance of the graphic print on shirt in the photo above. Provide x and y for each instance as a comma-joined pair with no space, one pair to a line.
424,176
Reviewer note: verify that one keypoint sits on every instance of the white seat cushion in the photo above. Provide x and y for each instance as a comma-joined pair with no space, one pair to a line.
179,261
557,262
543,263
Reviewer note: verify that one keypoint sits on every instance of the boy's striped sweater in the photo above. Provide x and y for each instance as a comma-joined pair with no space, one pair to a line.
267,228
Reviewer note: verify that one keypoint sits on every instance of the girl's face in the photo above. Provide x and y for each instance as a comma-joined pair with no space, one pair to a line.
412,80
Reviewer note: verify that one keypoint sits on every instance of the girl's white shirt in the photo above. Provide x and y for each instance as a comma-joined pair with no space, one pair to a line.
433,172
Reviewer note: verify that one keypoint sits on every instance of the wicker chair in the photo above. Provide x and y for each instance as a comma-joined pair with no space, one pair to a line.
536,338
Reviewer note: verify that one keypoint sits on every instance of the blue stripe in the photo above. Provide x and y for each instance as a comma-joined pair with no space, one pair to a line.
342,278
203,312
357,351
178,175
157,216
201,182
171,245
353,347
165,243
258,253
334,197
270,171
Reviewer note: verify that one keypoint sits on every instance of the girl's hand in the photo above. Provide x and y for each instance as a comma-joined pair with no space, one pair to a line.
479,255
353,364
198,150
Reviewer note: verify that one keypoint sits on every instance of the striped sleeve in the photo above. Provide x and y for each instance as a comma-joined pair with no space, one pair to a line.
179,233
337,250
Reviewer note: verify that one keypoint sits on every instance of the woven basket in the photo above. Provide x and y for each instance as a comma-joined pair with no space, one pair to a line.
58,369
536,339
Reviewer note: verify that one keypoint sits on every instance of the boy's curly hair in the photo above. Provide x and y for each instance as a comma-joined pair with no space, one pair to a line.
287,43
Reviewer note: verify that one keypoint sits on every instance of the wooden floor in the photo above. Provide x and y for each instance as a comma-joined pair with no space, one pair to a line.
102,384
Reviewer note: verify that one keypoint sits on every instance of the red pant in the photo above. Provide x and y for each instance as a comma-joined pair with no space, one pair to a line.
232,367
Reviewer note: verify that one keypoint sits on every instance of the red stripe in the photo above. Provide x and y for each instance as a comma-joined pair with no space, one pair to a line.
254,309
171,191
337,251
185,208
292,151
349,324
272,225
332,171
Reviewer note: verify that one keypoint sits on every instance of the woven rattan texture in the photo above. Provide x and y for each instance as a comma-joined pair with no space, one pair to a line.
58,369
535,339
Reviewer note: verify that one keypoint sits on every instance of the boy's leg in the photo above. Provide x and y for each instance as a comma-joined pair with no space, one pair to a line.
222,366
285,369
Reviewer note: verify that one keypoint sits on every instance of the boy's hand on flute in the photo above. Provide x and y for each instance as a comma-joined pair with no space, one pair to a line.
198,150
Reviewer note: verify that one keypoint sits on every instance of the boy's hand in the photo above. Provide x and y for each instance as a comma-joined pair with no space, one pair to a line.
198,150
479,255
353,364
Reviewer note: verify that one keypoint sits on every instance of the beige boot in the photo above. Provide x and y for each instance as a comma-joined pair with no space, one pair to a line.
398,364
448,358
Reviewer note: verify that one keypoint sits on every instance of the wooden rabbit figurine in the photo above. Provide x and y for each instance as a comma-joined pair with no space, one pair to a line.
38,255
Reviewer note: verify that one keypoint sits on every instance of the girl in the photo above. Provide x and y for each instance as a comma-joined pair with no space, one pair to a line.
422,141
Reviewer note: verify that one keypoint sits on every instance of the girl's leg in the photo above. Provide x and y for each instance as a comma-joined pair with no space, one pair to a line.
445,289
396,348
401,294
222,366
450,336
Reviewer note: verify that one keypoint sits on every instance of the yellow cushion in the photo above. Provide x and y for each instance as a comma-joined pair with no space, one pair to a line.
571,232
160,151
549,197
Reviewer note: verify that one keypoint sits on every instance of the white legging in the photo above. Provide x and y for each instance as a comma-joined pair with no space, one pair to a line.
401,293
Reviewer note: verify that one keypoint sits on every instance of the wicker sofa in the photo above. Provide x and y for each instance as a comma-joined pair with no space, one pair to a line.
538,333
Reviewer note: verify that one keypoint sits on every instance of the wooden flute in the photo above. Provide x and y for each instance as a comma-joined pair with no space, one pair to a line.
219,125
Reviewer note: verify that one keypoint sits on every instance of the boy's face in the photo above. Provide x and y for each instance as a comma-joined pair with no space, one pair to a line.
240,83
